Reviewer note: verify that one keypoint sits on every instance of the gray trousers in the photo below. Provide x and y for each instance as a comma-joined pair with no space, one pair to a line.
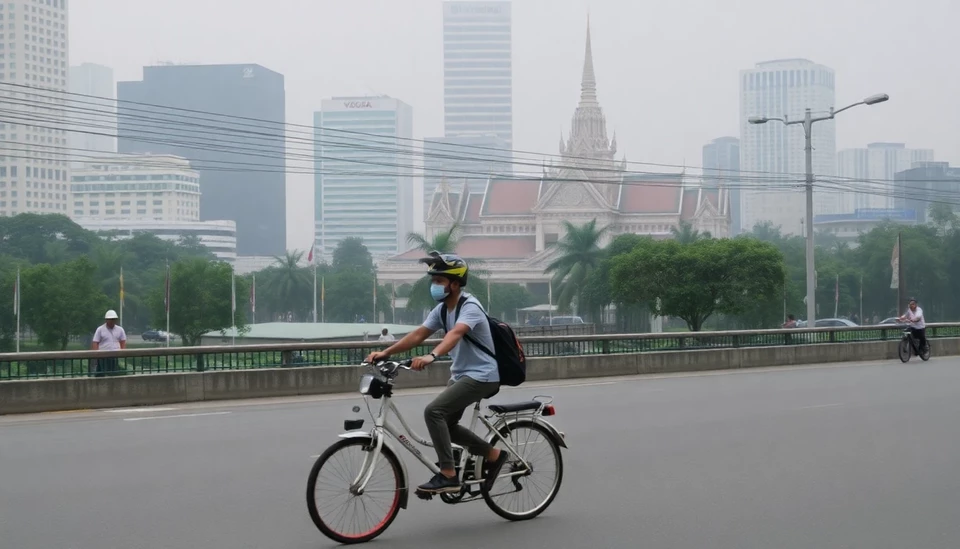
443,417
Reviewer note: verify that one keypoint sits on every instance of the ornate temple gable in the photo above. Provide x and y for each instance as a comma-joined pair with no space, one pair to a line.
443,207
572,194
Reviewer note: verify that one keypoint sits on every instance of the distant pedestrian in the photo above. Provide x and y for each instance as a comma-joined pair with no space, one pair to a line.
385,335
108,337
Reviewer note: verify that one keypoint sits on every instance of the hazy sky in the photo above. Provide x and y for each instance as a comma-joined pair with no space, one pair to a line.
667,72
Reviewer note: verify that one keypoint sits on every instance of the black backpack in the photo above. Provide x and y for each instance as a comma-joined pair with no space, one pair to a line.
511,362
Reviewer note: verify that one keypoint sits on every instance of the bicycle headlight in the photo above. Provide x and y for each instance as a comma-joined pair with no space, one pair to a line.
366,381
371,385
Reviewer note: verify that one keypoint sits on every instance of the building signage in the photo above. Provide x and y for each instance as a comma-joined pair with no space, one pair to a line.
457,9
358,104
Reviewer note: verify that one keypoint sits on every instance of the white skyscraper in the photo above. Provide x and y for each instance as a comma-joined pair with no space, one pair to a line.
34,173
364,181
477,70
772,154
93,109
872,171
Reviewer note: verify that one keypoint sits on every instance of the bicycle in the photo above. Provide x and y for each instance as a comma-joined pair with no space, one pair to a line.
376,447
909,343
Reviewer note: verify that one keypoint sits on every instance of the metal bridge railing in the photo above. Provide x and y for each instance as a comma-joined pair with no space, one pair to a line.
66,364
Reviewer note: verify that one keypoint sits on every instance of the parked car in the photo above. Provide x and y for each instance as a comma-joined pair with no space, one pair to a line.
155,335
834,323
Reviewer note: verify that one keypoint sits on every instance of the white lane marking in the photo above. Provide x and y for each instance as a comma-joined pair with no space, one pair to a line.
177,415
816,406
137,410
577,384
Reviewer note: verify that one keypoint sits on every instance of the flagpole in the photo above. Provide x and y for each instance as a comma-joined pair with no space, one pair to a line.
253,300
900,273
16,306
550,300
121,295
375,319
488,295
168,304
393,301
323,300
314,293
836,297
233,306
861,298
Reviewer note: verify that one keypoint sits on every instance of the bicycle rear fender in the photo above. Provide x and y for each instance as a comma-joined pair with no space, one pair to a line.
557,436
390,447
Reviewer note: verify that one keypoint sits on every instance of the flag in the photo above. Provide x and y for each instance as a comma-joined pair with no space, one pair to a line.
233,293
895,265
253,294
166,292
16,295
836,297
121,285
310,255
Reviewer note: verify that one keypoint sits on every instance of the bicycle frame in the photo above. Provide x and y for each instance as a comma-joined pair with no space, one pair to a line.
383,425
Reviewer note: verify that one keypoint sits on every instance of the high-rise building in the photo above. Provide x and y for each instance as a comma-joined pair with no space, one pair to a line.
119,186
364,173
34,170
926,184
470,158
93,111
721,166
229,122
477,69
772,159
871,172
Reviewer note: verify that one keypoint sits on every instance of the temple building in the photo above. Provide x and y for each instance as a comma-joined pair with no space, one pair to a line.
511,225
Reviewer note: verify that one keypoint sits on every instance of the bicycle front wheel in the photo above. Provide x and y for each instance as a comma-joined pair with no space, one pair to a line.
344,516
904,350
528,490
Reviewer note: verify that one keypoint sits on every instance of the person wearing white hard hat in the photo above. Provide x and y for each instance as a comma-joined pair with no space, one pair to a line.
108,337
385,335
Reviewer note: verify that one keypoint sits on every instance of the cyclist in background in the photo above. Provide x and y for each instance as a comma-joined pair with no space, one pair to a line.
915,323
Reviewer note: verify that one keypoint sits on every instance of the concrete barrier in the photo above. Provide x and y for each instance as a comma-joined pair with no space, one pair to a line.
18,397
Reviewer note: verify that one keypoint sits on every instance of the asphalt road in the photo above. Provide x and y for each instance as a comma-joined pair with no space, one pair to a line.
857,456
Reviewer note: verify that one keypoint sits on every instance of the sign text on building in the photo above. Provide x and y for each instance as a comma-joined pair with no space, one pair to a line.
358,104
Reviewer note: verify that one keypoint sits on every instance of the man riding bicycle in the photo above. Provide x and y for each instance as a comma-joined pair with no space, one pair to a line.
474,374
916,324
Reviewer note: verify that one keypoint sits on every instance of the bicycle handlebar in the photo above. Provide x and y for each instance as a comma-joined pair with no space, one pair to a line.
390,366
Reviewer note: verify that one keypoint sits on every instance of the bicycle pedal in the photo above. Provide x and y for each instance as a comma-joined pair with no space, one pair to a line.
426,496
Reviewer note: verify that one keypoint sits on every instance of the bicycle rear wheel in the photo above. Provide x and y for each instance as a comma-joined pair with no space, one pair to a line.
904,350
925,352
345,517
528,493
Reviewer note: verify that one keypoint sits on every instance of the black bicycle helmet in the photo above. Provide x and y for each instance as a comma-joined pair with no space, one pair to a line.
451,266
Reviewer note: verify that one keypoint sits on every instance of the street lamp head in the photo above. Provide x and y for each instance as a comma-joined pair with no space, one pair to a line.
757,119
874,99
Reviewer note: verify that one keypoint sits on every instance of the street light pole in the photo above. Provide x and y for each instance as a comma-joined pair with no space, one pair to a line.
807,123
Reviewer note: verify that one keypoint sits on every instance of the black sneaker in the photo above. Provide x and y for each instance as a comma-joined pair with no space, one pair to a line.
493,470
440,484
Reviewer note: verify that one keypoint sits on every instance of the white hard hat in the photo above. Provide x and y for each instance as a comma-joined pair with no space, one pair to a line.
111,314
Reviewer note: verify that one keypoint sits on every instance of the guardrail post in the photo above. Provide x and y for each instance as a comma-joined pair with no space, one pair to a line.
286,359
605,346
200,366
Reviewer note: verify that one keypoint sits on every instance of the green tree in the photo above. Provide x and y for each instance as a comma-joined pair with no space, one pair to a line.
579,254
942,217
200,299
62,301
686,234
352,254
286,287
697,280
43,238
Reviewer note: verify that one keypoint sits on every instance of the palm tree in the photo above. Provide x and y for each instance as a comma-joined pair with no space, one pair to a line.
444,242
288,285
580,254
686,234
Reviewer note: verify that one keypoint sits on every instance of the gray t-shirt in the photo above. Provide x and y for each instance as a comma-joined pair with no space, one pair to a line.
468,360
